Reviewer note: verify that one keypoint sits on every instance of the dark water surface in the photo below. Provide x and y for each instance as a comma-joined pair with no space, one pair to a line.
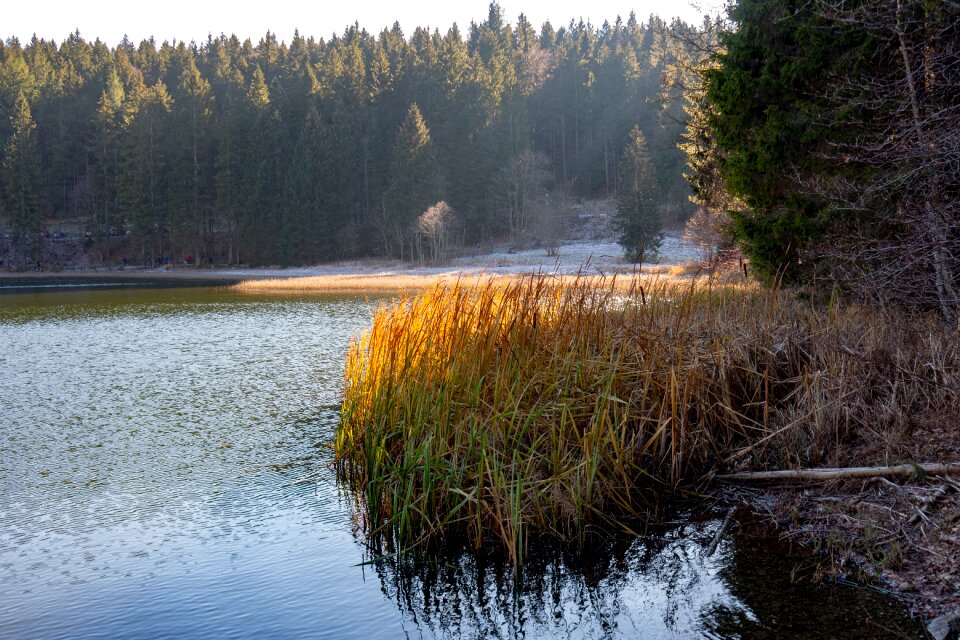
148,442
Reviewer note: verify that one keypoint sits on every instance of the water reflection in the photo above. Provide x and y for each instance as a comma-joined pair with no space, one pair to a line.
659,586
780,599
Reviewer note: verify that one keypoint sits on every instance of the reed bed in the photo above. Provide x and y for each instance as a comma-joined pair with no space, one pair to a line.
411,283
350,283
505,410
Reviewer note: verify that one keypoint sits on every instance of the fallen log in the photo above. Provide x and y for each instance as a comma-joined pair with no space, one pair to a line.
723,527
926,469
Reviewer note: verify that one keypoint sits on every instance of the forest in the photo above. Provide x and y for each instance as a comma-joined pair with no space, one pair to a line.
232,152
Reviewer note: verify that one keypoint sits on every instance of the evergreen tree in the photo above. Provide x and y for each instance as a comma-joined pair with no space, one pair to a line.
415,184
16,80
190,195
637,221
21,164
834,125
259,169
761,114
105,150
145,176
258,93
307,233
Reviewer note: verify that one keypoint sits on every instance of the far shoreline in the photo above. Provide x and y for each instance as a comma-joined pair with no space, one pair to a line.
595,259
129,273
139,273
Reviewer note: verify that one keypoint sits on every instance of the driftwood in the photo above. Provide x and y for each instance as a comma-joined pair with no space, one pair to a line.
932,469
723,527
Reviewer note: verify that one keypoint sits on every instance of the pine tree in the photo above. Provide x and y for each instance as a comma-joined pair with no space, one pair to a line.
637,220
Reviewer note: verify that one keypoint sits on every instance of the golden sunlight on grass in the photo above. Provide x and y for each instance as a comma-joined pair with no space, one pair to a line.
408,283
380,283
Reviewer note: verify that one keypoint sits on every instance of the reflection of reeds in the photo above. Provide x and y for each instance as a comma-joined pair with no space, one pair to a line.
554,406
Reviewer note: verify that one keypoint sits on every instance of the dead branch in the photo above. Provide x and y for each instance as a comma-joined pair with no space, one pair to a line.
848,472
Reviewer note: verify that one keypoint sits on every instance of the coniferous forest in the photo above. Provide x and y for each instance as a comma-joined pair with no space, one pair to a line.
232,152
826,138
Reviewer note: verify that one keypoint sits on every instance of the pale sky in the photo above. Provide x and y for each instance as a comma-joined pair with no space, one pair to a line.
193,20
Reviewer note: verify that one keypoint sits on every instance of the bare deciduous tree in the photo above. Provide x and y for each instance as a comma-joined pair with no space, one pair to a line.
708,230
550,217
518,185
434,225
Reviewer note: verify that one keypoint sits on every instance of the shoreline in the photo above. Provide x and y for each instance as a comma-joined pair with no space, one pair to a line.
587,258
130,273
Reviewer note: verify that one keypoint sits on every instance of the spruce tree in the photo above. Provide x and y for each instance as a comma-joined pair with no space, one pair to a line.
15,81
222,153
21,177
191,168
637,221
145,172
415,184
762,109
307,233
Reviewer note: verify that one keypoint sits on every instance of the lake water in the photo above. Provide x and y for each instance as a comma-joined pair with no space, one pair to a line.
149,439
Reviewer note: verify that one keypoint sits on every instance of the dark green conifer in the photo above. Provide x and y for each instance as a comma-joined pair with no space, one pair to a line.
415,184
638,221
21,180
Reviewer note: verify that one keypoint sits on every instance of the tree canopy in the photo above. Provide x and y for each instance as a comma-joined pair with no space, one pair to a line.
834,129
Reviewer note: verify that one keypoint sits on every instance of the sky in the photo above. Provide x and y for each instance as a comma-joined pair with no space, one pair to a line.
189,20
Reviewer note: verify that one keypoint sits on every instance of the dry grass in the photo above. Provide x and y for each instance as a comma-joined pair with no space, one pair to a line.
411,283
380,283
539,406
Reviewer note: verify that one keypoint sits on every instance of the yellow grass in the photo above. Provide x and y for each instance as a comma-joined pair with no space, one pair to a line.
410,283
390,283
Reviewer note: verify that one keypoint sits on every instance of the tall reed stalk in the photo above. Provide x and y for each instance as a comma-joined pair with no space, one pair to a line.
503,410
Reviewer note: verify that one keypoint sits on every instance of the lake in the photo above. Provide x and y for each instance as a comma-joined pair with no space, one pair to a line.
151,439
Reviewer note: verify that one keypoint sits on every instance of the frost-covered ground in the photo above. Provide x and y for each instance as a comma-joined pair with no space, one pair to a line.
589,257
601,257
589,248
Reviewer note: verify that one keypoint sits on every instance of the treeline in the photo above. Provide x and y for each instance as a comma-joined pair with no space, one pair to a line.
320,149
826,140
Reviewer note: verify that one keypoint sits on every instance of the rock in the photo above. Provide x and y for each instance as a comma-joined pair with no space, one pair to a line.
946,627
905,587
